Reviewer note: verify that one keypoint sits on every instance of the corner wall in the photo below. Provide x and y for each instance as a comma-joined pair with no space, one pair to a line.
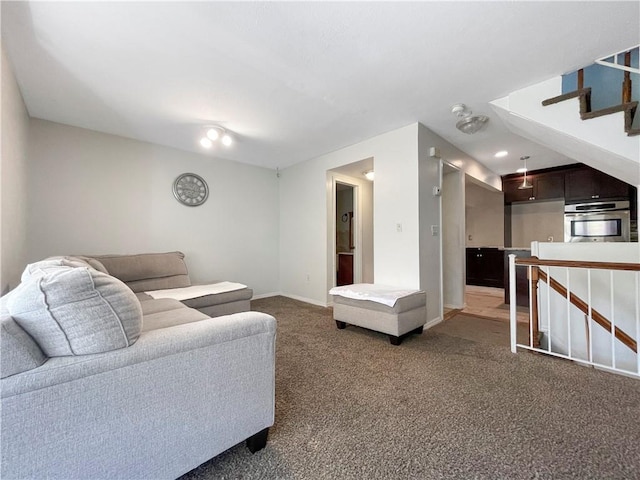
304,215
14,188
94,193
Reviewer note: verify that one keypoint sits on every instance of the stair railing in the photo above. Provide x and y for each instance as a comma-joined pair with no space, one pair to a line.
627,105
619,353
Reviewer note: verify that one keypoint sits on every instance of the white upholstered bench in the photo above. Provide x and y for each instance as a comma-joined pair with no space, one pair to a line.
398,313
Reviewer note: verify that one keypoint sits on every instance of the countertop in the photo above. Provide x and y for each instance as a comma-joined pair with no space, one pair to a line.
501,248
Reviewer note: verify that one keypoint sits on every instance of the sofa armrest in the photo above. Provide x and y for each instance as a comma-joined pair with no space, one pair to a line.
157,409
151,345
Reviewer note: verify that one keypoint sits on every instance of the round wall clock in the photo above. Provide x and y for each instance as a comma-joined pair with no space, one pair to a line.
190,189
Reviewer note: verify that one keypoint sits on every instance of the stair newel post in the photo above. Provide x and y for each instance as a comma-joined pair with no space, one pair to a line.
534,331
626,83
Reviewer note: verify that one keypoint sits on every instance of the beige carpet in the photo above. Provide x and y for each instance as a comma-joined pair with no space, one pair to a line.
451,403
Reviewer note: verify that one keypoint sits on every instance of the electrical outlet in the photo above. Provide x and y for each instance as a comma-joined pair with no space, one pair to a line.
399,227
308,278
434,230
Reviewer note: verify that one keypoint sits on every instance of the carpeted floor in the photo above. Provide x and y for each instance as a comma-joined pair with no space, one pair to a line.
452,403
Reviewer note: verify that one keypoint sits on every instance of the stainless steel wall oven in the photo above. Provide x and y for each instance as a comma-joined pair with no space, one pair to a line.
597,222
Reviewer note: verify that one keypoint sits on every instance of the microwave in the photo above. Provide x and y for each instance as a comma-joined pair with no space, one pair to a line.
597,222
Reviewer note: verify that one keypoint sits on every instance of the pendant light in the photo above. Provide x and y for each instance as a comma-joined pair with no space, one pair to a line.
525,183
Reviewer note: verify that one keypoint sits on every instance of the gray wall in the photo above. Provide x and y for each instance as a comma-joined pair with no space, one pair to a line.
95,193
15,189
536,222
484,216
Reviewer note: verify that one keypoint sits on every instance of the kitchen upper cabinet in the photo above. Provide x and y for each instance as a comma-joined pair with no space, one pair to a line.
546,186
587,184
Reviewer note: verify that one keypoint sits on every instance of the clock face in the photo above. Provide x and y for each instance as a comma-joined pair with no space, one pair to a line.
190,189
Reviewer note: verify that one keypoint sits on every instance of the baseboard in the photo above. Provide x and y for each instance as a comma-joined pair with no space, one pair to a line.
454,307
433,322
304,299
266,295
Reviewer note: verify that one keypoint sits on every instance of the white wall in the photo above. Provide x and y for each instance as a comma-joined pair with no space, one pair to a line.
15,186
93,193
484,216
305,215
453,235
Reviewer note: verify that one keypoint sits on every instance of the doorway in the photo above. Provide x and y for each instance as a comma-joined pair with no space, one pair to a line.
345,233
349,224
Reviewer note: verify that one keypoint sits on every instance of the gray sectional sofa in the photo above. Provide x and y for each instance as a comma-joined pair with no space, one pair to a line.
101,382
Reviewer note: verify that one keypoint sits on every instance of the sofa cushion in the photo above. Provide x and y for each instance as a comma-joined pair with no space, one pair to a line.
171,318
148,271
76,311
18,351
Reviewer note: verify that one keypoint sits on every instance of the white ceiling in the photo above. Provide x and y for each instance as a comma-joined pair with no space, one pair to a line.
295,80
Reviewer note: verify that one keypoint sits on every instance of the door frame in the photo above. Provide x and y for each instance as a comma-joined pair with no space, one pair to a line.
357,228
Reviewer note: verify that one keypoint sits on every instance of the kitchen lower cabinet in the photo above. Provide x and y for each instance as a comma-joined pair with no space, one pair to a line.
345,269
485,267
522,281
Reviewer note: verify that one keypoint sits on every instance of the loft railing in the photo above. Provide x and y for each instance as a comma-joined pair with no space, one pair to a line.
607,100
568,312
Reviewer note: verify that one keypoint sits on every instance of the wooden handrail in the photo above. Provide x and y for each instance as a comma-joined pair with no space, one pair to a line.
534,261
583,306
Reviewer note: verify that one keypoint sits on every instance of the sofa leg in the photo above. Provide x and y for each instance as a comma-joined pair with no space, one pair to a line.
258,441
395,340
418,331
341,325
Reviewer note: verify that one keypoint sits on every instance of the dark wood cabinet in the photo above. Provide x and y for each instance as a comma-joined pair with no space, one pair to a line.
512,192
545,186
345,269
549,186
522,283
588,184
485,267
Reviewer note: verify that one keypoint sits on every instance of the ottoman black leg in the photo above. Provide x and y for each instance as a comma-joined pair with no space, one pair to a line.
418,331
395,340
258,441
340,324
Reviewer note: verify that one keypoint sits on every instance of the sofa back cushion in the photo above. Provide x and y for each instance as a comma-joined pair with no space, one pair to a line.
18,351
76,311
148,271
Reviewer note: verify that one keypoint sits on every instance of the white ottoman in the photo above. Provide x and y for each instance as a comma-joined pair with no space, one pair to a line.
398,319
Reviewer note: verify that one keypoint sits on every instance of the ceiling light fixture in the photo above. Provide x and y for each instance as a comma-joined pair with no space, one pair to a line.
213,134
369,175
468,123
501,154
525,182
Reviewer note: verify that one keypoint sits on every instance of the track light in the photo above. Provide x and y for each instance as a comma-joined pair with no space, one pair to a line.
213,134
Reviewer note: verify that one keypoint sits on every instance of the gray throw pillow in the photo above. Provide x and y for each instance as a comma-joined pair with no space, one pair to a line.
76,311
38,268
